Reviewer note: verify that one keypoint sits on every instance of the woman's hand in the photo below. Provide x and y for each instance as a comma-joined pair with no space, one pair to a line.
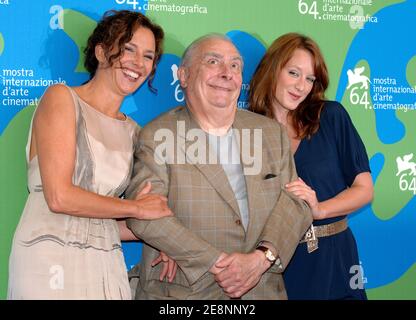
169,267
151,206
300,189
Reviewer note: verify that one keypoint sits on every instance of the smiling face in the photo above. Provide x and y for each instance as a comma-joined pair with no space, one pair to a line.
213,77
135,63
294,82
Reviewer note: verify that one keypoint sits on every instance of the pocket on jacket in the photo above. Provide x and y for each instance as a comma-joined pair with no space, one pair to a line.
271,185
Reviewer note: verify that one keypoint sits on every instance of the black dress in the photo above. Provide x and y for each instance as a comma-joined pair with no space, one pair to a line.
328,163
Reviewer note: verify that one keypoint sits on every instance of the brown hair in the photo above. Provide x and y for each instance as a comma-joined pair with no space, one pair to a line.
115,29
305,118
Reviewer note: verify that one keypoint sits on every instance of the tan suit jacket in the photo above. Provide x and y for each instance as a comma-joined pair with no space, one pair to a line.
206,218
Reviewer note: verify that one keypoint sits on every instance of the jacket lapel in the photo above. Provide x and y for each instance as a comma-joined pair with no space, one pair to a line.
252,180
214,173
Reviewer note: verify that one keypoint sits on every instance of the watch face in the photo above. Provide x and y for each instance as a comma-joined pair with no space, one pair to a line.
270,256
268,253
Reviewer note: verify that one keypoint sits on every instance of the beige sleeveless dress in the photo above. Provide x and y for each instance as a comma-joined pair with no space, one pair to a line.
59,256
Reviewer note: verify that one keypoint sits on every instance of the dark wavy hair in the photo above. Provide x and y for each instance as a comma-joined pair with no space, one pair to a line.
114,30
306,116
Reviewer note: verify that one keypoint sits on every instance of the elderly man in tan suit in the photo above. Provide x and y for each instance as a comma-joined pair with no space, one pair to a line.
235,227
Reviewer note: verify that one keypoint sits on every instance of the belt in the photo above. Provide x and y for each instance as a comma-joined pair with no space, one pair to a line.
314,232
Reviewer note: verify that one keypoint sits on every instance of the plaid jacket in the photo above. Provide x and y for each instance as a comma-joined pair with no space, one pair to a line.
207,219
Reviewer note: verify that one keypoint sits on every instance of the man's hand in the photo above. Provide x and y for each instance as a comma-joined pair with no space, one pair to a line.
214,269
169,266
241,272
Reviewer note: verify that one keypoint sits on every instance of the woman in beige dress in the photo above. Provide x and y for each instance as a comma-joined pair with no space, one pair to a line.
80,157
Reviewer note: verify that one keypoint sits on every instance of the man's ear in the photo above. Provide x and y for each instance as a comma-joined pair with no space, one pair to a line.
183,76
100,54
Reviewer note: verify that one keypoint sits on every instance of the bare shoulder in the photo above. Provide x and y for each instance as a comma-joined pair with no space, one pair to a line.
56,95
57,100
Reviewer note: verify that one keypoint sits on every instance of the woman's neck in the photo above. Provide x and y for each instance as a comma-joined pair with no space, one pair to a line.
281,115
99,97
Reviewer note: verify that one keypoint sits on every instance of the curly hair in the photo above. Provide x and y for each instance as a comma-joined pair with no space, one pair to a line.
114,30
305,117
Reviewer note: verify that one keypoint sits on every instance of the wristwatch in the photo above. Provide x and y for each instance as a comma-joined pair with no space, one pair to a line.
268,253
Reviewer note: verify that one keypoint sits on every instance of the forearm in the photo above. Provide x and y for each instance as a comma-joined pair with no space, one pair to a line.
76,201
345,202
194,255
288,222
